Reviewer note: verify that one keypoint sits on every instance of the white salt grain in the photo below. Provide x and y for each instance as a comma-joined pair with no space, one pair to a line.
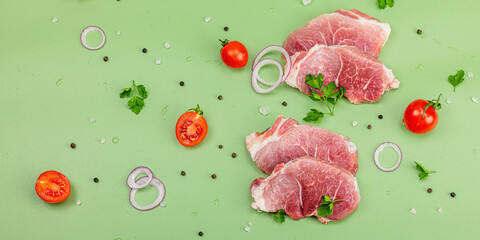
449,101
118,33
440,210
469,74
167,45
78,202
208,19
250,224
162,204
158,61
54,20
413,211
93,120
247,229
264,110
306,2
354,123
474,99
103,141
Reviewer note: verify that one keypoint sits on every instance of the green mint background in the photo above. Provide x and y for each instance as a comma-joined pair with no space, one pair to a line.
40,118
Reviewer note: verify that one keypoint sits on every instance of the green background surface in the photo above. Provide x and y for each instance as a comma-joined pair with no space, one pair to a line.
40,118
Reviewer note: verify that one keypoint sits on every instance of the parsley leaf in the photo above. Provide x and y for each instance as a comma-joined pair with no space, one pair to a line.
330,95
279,216
382,4
456,79
326,207
136,103
423,172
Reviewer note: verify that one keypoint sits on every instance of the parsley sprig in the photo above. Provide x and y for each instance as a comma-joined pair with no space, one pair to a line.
382,4
326,208
279,216
329,96
135,103
423,172
456,79
435,103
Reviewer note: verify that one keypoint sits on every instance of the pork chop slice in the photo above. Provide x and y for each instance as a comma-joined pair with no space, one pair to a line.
286,140
351,28
298,186
364,78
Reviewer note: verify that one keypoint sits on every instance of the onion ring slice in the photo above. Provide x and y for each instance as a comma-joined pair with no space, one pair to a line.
265,51
83,37
255,76
137,171
157,184
380,149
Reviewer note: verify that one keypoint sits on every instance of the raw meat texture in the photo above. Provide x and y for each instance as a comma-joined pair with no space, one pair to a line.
286,140
298,186
364,78
351,28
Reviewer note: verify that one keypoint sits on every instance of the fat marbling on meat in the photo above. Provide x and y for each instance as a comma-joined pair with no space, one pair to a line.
298,186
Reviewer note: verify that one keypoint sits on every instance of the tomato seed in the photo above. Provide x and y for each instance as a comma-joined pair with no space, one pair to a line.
183,173
182,83
429,190
144,50
234,155
73,145
105,58
214,176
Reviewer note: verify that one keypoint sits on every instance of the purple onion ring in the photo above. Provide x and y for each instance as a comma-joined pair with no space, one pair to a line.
83,37
134,174
157,184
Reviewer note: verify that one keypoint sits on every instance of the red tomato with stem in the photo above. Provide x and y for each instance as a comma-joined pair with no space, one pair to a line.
52,187
191,127
421,115
234,54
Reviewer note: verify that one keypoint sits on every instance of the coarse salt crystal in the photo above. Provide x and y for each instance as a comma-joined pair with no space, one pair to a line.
354,123
158,61
306,2
93,120
247,229
162,204
103,141
54,20
167,45
78,202
118,33
264,110
250,224
208,19
449,101
413,211
470,74
440,210
474,99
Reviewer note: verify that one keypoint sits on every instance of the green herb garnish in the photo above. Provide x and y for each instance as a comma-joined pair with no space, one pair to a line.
423,172
382,4
456,79
326,208
279,216
329,96
435,103
136,103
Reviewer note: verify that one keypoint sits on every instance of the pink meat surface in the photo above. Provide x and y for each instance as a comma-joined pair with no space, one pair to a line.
286,140
351,28
298,186
364,78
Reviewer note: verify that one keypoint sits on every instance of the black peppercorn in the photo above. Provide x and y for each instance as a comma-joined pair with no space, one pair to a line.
214,176
220,97
200,234
284,104
220,146
429,190
73,145
105,58
95,180
453,194
183,173
419,31
182,83
380,116
369,126
234,155
144,50
225,28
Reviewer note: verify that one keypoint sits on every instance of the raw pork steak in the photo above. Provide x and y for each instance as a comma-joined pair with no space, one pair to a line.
364,78
286,140
298,186
351,28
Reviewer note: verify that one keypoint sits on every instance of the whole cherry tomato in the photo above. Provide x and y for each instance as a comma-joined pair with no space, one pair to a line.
421,116
234,54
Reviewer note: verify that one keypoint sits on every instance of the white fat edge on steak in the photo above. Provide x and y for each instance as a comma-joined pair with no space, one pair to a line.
392,82
362,20
259,144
